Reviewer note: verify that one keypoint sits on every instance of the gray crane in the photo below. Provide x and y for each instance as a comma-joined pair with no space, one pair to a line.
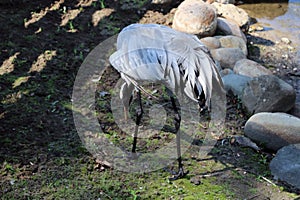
159,54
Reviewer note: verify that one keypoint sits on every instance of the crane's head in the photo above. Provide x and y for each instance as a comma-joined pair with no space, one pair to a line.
202,102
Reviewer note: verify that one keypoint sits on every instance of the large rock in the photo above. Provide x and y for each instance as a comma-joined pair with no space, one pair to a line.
231,41
227,56
285,166
250,68
195,17
226,71
268,93
273,130
229,27
295,110
234,13
235,83
211,42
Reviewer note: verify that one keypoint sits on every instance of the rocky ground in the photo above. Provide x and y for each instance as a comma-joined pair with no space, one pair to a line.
43,45
278,54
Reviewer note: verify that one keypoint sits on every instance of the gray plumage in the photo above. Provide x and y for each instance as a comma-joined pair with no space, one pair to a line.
159,54
156,53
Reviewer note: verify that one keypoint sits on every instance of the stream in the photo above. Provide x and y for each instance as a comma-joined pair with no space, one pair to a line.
280,18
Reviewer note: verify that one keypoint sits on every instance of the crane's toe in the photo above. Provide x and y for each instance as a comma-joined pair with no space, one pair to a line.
132,155
178,175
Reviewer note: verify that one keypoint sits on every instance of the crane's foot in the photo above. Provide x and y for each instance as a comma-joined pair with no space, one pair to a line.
178,175
132,156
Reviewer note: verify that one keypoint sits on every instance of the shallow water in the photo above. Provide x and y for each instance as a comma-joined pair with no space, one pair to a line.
281,19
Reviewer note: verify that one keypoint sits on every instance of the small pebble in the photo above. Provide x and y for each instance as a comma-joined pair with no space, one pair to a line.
285,40
196,180
12,181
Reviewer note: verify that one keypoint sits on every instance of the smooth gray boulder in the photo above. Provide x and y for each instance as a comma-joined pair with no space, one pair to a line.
250,68
295,110
230,27
273,130
211,42
227,56
231,41
285,166
235,83
268,93
226,71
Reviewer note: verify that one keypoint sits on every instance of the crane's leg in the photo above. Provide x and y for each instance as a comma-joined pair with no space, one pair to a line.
139,114
126,97
126,108
177,118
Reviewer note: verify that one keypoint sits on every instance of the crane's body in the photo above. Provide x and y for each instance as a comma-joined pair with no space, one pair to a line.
156,53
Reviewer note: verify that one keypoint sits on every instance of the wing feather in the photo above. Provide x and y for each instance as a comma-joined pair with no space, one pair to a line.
161,54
